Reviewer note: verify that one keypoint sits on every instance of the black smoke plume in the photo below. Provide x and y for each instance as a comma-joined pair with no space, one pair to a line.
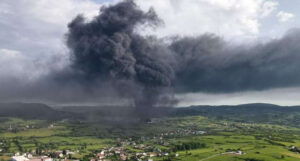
209,64
108,49
110,59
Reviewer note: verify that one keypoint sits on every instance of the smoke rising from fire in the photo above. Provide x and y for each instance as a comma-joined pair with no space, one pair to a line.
108,49
110,58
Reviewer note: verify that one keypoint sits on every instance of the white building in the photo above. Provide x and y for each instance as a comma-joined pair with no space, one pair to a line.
19,158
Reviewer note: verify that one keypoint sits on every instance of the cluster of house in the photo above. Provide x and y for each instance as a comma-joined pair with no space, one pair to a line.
183,132
238,152
29,157
26,127
294,149
13,127
171,134
138,151
144,151
124,154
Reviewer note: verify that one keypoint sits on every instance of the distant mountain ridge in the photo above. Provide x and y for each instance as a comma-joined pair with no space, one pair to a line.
31,111
257,112
251,109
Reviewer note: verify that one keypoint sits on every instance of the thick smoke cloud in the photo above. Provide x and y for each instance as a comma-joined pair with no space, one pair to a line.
209,64
108,49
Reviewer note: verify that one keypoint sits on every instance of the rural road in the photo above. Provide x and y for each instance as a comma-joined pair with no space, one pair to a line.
214,156
210,157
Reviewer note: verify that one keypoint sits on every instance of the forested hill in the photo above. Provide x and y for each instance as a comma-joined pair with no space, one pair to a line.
31,111
250,113
256,113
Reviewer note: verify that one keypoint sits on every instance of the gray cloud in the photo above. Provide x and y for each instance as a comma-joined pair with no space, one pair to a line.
31,34
279,96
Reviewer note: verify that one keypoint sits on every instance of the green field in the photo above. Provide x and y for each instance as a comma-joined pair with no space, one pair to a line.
258,142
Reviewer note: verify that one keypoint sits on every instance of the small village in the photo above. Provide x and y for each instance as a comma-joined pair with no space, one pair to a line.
138,149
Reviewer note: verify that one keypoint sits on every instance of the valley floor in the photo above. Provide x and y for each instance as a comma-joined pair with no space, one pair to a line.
189,138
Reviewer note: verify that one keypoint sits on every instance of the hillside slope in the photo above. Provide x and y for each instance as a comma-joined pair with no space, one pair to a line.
31,111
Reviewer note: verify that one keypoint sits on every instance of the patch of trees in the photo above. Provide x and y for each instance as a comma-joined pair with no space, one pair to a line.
188,146
40,147
295,149
5,146
253,159
274,143
19,146
231,150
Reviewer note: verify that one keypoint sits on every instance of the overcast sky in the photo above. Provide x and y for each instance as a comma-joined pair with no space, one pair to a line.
32,34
